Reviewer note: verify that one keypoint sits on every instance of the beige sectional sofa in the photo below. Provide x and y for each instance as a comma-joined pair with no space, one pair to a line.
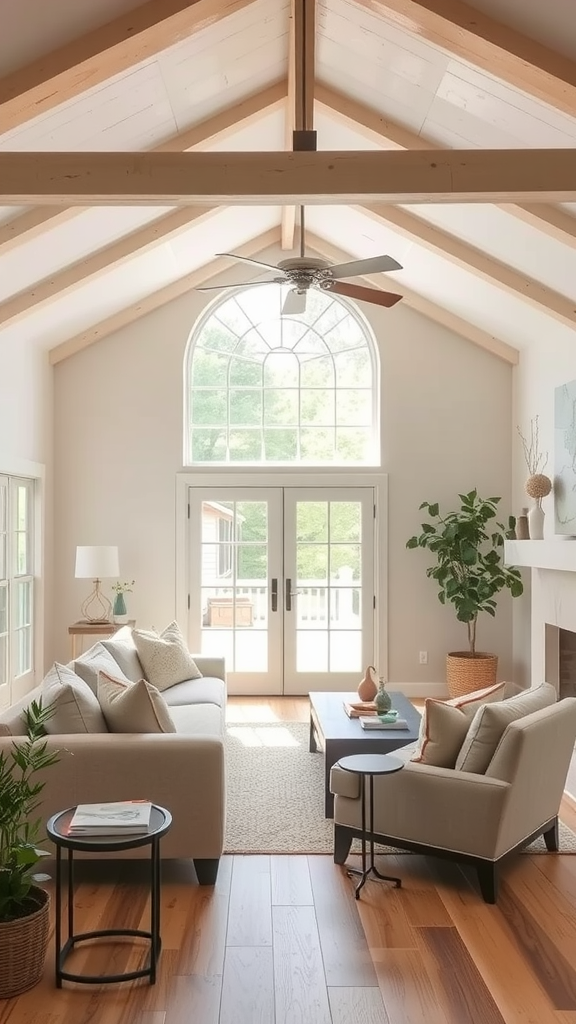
183,771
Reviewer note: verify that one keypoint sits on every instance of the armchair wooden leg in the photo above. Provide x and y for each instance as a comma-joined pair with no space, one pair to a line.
488,880
342,843
551,837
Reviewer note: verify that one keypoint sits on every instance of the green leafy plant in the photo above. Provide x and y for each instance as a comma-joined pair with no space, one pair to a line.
468,546
19,792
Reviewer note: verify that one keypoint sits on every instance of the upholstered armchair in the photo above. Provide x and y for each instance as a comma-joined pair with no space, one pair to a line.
466,816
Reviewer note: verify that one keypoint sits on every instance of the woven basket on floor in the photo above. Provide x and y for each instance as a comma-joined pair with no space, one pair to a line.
23,945
466,672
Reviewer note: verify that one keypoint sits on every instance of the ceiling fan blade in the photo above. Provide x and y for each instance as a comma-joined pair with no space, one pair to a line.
295,302
247,259
358,291
247,284
373,265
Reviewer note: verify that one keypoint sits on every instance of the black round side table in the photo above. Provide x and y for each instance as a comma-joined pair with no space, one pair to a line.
57,829
367,766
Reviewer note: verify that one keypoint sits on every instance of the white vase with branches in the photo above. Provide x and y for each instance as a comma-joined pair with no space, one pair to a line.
538,485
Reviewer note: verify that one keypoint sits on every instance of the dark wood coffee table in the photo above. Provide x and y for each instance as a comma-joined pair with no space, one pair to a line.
336,735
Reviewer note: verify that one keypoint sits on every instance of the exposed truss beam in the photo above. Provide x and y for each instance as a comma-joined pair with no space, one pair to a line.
36,221
288,224
103,53
157,299
463,176
488,44
463,255
429,309
373,126
136,243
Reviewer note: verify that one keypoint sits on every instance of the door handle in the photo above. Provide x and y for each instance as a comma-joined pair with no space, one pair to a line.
274,594
288,594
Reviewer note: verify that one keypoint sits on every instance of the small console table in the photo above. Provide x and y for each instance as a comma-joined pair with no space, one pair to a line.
82,629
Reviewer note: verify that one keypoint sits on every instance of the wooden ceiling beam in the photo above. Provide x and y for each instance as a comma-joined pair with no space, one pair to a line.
467,33
157,299
100,262
379,129
422,305
104,52
241,179
221,125
288,221
443,244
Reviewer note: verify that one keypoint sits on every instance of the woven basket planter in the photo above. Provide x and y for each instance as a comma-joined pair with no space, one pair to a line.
466,672
23,945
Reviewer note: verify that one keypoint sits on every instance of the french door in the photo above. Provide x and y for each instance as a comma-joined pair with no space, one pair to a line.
282,583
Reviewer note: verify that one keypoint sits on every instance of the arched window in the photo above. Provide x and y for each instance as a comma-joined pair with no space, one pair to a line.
262,388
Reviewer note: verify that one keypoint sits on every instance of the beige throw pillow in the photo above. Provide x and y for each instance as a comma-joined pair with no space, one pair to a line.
165,657
133,707
76,708
442,732
490,721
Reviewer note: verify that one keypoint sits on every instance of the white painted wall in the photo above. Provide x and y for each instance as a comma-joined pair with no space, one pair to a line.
118,437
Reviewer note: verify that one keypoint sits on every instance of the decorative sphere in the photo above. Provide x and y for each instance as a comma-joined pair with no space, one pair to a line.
538,486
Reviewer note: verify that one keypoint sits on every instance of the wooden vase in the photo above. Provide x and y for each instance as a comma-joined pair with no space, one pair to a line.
367,689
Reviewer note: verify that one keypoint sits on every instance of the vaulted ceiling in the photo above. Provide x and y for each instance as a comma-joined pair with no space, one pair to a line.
405,76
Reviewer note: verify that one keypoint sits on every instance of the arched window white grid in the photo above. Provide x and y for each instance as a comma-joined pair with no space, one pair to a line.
266,389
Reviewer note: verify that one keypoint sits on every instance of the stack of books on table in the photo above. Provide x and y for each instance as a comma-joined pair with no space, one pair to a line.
120,818
374,722
361,707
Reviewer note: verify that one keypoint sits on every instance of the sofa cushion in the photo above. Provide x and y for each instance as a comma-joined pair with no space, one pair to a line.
95,660
165,657
76,708
442,732
200,720
207,690
133,707
490,721
123,649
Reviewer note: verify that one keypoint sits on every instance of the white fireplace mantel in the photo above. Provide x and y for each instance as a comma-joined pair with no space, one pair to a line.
559,553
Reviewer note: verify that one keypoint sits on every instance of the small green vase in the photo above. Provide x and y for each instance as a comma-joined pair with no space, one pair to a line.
382,699
119,608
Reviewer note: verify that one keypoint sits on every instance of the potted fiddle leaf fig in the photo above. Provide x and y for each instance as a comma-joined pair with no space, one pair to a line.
467,545
24,906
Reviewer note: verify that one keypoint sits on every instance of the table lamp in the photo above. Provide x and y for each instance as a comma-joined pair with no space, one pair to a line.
96,563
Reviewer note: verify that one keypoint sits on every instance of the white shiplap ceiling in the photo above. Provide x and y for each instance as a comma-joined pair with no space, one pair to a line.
56,284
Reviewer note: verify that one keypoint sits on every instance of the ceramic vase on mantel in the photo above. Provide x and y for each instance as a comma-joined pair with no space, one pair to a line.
536,522
367,689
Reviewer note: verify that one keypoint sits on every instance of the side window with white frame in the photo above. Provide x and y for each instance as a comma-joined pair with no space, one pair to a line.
16,581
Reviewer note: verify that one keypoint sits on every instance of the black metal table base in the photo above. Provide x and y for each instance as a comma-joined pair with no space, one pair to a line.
152,936
368,866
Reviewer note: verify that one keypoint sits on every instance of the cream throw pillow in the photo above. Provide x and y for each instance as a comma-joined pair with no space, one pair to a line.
133,707
165,657
444,725
489,724
76,708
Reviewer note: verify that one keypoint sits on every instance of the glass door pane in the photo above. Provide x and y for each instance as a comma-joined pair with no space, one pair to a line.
235,569
329,587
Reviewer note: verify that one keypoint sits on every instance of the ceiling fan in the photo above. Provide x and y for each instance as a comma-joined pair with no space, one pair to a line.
304,272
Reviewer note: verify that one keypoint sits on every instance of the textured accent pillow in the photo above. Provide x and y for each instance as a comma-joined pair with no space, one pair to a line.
490,721
165,657
430,742
95,660
445,728
133,707
76,708
123,650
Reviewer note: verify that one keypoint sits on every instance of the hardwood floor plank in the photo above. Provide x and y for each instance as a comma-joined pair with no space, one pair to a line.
407,991
151,1017
194,998
357,1006
541,899
299,980
458,982
250,910
248,986
203,941
345,952
383,915
290,881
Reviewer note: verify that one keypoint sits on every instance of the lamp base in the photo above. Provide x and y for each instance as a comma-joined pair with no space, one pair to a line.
96,608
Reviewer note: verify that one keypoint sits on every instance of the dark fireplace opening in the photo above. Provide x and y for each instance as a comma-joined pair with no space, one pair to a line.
566,663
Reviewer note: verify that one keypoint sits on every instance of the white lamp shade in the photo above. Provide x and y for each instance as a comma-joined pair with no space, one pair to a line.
96,563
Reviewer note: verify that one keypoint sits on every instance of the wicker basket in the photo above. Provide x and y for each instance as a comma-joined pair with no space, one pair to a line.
23,945
466,672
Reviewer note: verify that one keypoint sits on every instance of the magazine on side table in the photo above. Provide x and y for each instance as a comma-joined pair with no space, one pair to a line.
116,818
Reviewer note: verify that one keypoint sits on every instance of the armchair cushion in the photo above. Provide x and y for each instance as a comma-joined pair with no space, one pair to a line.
444,725
491,720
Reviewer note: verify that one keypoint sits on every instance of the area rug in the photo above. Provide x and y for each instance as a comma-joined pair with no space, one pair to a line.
275,793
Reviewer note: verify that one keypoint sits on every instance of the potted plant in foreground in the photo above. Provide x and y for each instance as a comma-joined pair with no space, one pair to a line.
468,545
24,906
